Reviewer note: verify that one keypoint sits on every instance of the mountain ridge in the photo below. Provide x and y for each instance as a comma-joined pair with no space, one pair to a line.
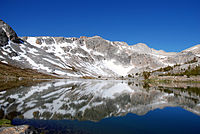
87,56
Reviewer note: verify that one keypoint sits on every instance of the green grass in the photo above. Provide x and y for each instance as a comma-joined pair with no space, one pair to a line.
157,81
166,81
5,123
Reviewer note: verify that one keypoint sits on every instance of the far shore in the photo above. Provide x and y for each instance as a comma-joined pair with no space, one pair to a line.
195,79
167,81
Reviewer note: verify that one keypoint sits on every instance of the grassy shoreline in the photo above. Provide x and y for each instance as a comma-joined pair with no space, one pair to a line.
168,82
5,123
169,79
13,77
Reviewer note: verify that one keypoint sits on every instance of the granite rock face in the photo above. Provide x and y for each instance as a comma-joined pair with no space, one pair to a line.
7,33
194,49
3,38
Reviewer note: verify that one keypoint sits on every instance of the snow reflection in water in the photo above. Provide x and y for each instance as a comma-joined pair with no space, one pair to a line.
91,100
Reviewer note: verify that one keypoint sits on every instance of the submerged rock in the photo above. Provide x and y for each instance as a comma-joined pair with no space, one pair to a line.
22,129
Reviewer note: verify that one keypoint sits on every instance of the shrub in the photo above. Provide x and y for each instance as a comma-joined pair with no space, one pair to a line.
192,61
146,75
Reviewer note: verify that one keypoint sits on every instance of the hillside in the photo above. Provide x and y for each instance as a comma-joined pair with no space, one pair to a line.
10,72
95,57
12,77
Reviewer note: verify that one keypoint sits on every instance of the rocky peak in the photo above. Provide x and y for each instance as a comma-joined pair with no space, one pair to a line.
7,33
96,36
83,37
141,47
194,49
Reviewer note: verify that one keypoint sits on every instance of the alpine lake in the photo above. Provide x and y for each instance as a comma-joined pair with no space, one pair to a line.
81,106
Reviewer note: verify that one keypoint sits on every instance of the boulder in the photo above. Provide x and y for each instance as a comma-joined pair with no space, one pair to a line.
22,129
38,41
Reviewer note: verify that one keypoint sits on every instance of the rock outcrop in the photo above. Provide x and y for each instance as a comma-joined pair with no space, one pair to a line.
7,33
22,129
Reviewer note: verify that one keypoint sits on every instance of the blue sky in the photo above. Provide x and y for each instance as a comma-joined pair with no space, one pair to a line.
171,25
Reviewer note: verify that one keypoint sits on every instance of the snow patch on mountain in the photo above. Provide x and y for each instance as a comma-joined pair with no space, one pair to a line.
88,56
118,69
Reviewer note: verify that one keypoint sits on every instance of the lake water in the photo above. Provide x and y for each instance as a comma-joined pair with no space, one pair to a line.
103,107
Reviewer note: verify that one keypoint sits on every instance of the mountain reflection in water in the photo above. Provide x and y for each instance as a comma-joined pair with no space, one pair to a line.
92,100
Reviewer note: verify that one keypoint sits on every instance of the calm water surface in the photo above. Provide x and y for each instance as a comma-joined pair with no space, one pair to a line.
103,107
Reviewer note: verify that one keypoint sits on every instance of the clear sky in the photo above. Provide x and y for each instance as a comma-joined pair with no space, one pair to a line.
171,25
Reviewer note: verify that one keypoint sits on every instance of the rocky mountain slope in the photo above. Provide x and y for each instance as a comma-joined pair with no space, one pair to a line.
85,56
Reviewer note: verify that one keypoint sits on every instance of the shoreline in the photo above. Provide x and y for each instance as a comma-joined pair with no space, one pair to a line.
177,79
